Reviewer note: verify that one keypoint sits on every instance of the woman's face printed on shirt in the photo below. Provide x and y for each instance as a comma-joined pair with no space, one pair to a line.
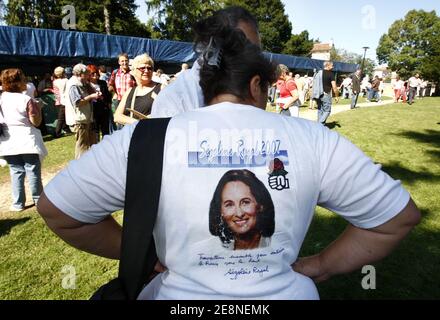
239,208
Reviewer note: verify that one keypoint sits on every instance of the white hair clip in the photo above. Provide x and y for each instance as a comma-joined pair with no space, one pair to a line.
212,54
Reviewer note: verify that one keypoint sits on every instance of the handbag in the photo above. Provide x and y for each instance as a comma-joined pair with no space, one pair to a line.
144,177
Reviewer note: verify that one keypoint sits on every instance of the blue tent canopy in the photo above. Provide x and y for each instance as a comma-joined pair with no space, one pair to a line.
20,42
28,42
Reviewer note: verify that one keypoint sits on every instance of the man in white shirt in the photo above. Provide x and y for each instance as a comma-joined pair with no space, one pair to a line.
413,83
184,93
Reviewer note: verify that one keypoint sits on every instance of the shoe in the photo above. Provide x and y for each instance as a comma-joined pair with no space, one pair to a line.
15,209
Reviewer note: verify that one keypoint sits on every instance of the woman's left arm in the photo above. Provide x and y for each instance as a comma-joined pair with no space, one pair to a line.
119,116
357,247
34,112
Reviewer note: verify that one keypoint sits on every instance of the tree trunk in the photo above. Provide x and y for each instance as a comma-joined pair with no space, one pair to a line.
106,20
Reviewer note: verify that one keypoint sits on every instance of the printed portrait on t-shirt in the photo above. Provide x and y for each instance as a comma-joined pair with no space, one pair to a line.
241,212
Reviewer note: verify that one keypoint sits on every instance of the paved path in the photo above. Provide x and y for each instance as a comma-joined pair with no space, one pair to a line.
336,108
5,192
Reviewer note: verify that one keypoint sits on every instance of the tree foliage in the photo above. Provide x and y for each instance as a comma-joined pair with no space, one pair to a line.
89,15
174,20
412,45
275,27
33,13
299,44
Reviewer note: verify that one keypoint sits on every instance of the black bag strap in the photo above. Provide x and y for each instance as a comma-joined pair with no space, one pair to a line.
144,178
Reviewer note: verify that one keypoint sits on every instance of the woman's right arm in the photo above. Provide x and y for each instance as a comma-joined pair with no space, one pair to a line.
119,116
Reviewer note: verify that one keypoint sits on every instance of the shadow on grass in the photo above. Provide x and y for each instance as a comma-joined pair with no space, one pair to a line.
332,125
434,153
409,272
48,138
8,224
430,136
397,171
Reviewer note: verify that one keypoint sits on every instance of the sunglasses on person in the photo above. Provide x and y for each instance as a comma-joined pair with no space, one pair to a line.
142,69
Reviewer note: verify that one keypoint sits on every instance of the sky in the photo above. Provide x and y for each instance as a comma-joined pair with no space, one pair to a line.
349,24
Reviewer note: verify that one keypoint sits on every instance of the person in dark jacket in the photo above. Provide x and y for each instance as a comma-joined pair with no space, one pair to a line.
356,87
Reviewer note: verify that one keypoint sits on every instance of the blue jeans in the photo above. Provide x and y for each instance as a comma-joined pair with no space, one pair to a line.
412,94
19,165
324,107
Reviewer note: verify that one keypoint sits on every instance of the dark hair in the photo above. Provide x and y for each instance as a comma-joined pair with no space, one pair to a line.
265,219
13,80
239,59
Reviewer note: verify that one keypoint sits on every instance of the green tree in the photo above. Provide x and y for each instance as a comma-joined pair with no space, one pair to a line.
412,44
275,27
343,55
299,45
110,16
33,13
175,18
2,11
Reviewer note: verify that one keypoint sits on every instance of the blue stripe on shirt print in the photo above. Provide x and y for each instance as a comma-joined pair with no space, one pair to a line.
199,160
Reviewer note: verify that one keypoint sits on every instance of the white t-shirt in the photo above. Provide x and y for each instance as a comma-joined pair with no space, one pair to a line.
315,166
183,94
399,85
30,90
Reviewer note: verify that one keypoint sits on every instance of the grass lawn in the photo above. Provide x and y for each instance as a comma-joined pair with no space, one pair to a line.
405,140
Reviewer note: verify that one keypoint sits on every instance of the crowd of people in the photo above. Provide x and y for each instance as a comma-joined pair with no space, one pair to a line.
223,188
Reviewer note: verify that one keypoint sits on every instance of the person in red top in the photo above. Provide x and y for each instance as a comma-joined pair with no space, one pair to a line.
289,98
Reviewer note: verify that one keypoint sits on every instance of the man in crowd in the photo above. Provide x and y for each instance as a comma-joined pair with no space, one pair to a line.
375,84
413,83
121,80
185,67
323,84
79,111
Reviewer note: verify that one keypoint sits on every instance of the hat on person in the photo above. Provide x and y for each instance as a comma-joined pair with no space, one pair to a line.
58,72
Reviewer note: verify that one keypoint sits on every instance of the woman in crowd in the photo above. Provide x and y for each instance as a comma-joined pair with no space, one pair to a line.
141,97
59,88
21,143
300,163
